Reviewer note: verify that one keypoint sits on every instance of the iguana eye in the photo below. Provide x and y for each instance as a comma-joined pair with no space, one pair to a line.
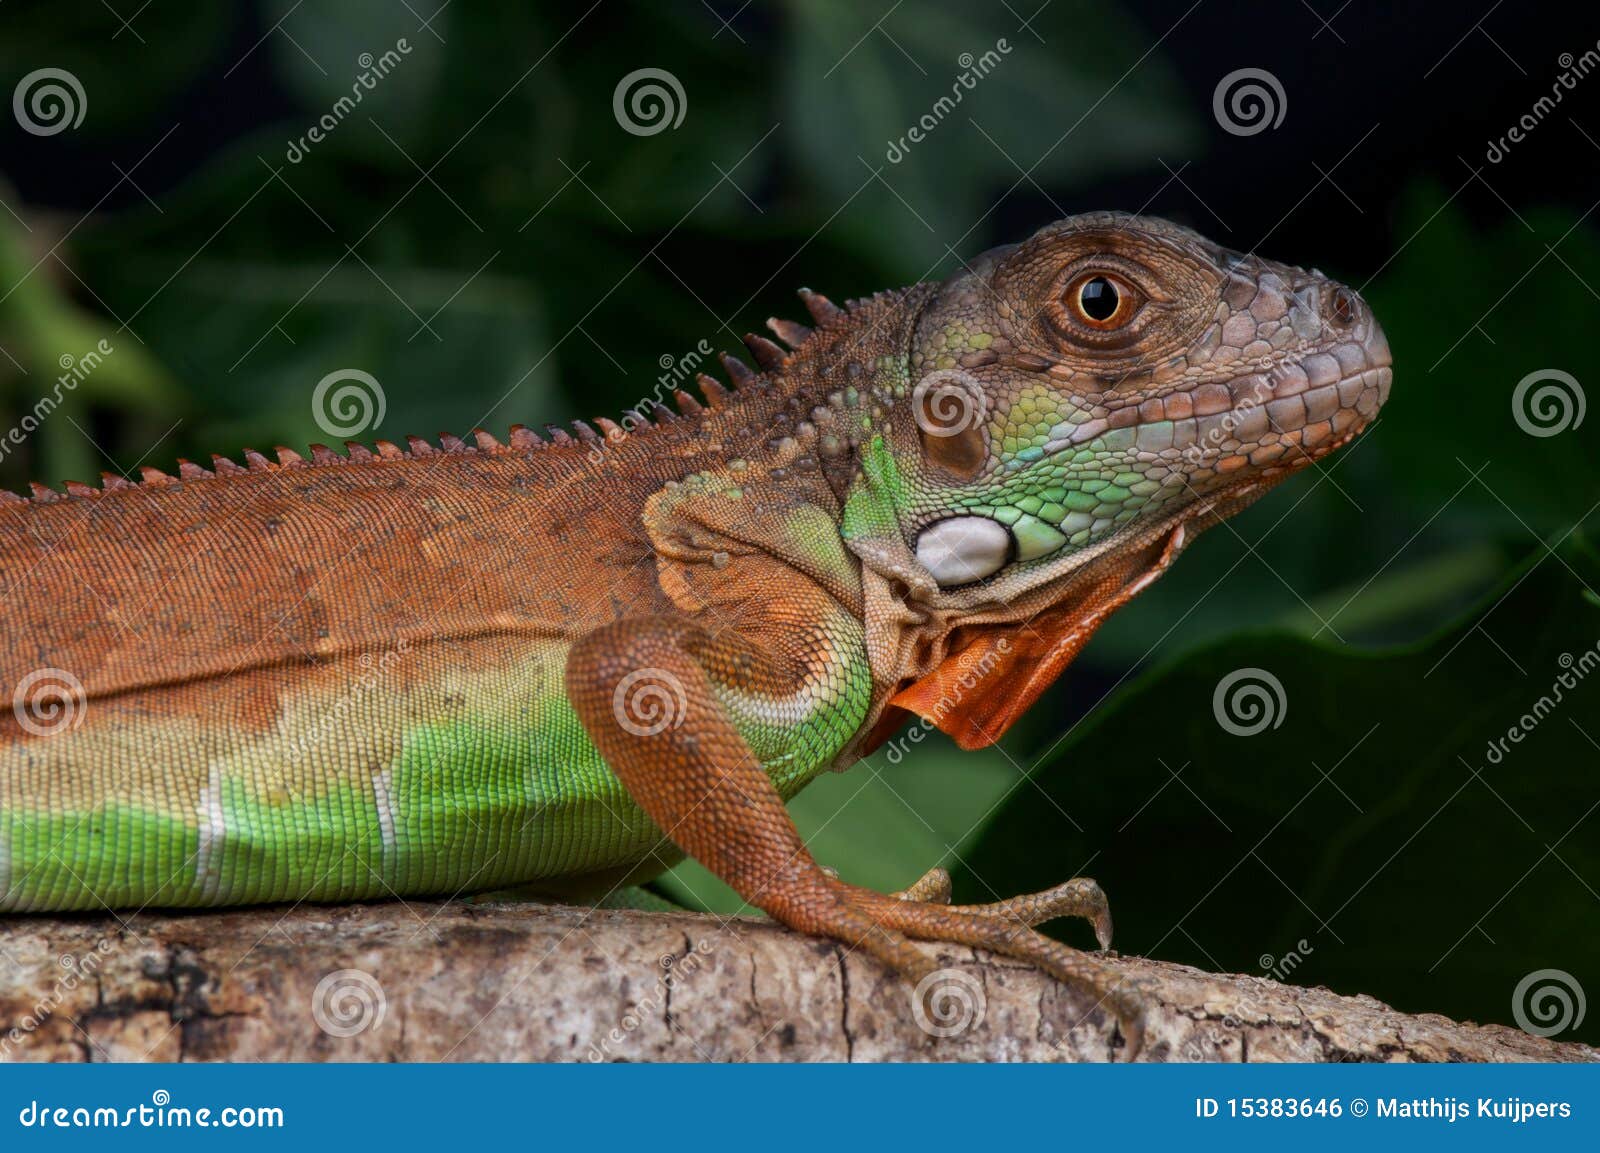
1103,301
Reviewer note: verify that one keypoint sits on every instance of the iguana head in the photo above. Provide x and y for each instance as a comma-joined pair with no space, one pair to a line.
1076,407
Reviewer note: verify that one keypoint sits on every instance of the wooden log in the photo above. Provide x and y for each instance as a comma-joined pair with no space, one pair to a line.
499,982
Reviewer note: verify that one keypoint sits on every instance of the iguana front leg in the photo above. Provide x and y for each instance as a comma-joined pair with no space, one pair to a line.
647,691
650,694
713,715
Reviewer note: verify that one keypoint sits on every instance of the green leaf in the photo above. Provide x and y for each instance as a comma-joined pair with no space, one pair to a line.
1386,829
995,108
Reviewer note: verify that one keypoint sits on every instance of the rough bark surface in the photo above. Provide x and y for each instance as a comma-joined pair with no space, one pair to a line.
423,982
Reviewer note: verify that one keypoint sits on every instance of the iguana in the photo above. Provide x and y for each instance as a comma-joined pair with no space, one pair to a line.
565,661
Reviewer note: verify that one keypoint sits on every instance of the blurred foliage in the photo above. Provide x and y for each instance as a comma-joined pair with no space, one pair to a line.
481,235
1384,819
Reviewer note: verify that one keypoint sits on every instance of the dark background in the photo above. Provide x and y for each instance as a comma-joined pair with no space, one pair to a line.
1414,597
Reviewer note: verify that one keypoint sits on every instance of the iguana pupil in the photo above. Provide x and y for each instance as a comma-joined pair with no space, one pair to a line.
1098,298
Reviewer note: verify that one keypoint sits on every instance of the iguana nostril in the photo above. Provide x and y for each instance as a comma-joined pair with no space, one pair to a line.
1342,307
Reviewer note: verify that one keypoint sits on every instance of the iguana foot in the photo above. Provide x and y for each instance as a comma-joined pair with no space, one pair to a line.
1079,897
933,887
1006,927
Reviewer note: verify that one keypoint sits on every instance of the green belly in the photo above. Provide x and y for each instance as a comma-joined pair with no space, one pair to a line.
447,776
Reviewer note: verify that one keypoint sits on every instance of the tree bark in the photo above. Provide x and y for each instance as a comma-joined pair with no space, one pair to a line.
424,982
